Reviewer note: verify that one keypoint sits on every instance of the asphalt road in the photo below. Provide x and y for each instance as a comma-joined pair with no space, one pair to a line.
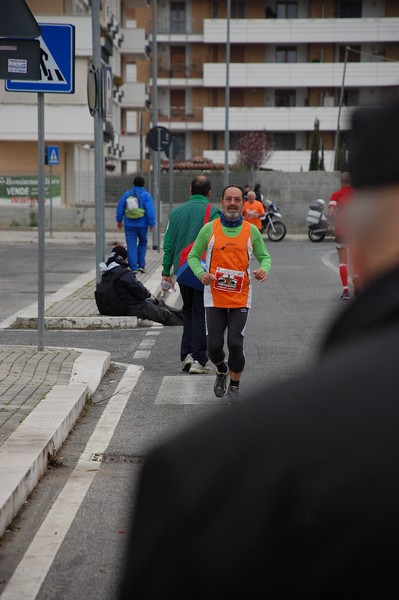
19,271
290,315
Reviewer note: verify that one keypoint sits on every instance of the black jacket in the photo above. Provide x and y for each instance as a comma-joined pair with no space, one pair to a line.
295,494
131,292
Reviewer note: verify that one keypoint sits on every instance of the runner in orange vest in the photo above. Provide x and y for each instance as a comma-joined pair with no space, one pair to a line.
229,243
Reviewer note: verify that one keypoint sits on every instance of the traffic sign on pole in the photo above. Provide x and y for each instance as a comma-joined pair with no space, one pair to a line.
57,62
52,155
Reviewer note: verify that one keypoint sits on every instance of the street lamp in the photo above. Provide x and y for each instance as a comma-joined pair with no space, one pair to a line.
227,100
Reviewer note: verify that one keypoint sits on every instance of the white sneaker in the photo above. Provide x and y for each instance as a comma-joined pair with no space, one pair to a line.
197,369
187,362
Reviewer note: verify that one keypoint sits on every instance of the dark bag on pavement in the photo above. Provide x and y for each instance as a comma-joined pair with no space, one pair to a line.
184,275
106,296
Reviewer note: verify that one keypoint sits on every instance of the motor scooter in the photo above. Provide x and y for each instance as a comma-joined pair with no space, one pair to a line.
271,224
318,227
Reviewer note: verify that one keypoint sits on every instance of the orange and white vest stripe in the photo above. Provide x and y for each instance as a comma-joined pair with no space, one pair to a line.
228,259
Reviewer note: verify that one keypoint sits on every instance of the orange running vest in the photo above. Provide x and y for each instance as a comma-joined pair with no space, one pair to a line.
228,259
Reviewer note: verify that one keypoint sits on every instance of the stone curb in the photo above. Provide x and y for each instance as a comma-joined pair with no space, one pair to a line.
27,317
24,455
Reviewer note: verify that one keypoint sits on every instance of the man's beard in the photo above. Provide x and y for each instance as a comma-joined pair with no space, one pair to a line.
232,215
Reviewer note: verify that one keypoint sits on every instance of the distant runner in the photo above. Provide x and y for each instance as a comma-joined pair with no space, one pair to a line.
229,242
336,212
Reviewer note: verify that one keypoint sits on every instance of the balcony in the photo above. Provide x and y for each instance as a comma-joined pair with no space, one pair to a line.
134,43
136,3
135,95
131,146
181,118
179,30
269,75
179,71
277,119
302,31
83,37
280,160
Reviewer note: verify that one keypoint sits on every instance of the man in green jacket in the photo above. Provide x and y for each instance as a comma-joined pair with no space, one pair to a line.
185,222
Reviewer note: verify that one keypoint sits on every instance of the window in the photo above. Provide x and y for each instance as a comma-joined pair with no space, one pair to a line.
237,53
283,141
238,9
181,138
237,96
214,141
215,9
287,10
131,121
177,103
285,98
177,17
350,9
131,72
178,61
286,54
352,56
351,97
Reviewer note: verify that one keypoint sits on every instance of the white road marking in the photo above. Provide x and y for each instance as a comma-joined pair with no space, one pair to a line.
141,354
326,260
186,389
36,562
153,333
145,343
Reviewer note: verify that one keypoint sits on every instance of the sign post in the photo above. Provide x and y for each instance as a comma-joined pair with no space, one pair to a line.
171,153
159,139
57,75
52,158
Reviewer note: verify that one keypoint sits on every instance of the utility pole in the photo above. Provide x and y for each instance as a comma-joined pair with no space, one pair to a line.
341,99
156,162
227,100
99,190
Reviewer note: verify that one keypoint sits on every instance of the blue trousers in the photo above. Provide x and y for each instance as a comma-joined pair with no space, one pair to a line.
136,241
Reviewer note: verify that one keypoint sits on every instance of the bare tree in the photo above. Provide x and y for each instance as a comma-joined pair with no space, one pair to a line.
253,149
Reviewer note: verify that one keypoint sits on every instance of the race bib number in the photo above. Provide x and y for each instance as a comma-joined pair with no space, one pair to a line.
228,280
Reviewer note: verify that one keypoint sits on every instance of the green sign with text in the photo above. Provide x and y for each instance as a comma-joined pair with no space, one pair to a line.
22,190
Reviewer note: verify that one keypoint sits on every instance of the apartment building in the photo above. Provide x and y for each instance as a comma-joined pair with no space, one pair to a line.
68,123
286,70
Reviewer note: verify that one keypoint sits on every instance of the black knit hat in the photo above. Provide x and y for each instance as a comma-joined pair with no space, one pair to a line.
118,251
374,148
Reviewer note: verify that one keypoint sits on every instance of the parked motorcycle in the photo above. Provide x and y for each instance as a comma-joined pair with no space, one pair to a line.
318,224
271,224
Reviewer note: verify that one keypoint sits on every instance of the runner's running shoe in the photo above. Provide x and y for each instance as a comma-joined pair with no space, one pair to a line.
233,395
197,369
187,362
345,295
220,384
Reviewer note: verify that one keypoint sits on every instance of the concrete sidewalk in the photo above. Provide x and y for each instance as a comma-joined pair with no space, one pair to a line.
42,395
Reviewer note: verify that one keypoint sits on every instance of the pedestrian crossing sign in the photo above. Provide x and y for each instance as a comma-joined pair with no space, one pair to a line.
53,155
57,62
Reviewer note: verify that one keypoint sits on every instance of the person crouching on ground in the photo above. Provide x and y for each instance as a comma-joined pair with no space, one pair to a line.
120,293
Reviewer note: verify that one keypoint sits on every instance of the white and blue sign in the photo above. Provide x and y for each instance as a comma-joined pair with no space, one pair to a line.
57,62
53,155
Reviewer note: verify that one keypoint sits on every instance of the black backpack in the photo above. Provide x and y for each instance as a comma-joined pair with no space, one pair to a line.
106,296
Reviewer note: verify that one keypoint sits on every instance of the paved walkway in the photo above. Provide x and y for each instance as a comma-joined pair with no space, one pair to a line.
27,375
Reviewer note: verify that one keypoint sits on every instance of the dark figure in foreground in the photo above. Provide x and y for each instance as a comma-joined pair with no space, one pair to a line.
295,494
120,293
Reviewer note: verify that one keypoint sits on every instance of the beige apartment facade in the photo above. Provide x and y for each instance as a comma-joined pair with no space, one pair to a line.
68,123
286,70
